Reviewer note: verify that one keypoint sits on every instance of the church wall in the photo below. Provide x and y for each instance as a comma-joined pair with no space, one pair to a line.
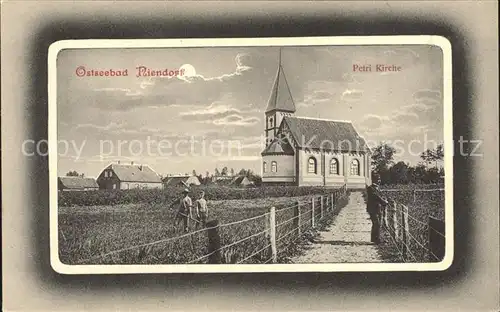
333,179
323,168
306,178
285,168
356,181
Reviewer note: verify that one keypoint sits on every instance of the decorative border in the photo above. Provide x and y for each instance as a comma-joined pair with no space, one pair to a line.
439,41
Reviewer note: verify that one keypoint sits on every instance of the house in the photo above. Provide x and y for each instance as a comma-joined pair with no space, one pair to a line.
77,184
241,181
128,176
181,181
310,151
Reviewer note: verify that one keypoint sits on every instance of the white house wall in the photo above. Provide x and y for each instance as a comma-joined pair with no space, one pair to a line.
133,185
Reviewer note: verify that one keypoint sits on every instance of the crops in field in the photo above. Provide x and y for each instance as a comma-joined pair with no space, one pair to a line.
170,194
422,201
128,233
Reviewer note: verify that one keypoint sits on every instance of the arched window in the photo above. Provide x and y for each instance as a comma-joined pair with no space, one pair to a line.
355,167
264,167
334,166
311,165
274,166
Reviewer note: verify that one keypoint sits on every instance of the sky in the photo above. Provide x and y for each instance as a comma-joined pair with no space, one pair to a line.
212,115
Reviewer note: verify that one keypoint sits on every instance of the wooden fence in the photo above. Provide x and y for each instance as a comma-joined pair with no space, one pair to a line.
262,238
416,239
282,228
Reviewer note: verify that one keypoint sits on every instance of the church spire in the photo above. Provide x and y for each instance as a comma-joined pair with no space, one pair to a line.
281,97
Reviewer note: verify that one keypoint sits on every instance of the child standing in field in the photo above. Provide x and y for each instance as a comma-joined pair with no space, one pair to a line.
184,213
201,210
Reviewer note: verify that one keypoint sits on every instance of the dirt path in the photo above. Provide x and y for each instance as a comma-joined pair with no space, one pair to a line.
347,239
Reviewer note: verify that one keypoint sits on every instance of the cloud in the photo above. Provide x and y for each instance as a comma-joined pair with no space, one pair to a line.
110,126
404,118
352,95
316,97
236,120
372,122
427,94
240,68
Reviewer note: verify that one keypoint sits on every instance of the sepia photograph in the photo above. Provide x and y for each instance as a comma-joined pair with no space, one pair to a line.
250,155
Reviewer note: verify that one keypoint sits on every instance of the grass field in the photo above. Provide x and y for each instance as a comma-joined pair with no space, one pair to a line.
420,205
88,232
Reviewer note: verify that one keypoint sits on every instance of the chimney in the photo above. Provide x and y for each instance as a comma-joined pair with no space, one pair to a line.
131,162
118,162
140,167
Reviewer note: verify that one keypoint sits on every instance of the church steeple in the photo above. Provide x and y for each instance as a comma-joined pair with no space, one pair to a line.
280,103
281,97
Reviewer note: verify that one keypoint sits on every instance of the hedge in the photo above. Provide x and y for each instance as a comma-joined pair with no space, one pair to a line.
170,194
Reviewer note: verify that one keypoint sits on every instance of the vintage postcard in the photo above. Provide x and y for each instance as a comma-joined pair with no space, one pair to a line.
251,155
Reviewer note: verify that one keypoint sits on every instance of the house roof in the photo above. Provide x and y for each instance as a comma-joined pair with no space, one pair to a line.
135,173
328,135
78,182
241,180
279,146
184,180
281,97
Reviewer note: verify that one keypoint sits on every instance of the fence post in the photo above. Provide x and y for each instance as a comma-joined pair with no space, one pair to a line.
333,201
393,219
437,243
384,216
326,204
405,231
414,195
321,207
271,234
296,220
312,212
213,242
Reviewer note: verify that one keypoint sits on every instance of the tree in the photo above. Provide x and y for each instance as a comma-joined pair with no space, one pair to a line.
216,172
232,172
428,156
242,172
194,173
432,175
439,153
399,173
224,171
72,174
382,158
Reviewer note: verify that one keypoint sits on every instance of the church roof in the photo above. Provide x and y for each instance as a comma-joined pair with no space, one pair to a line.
329,135
279,146
281,97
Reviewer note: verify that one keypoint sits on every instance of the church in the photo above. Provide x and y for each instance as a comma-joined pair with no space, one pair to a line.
304,151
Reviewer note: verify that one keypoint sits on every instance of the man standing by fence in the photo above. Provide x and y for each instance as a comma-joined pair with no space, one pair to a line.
201,211
375,204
